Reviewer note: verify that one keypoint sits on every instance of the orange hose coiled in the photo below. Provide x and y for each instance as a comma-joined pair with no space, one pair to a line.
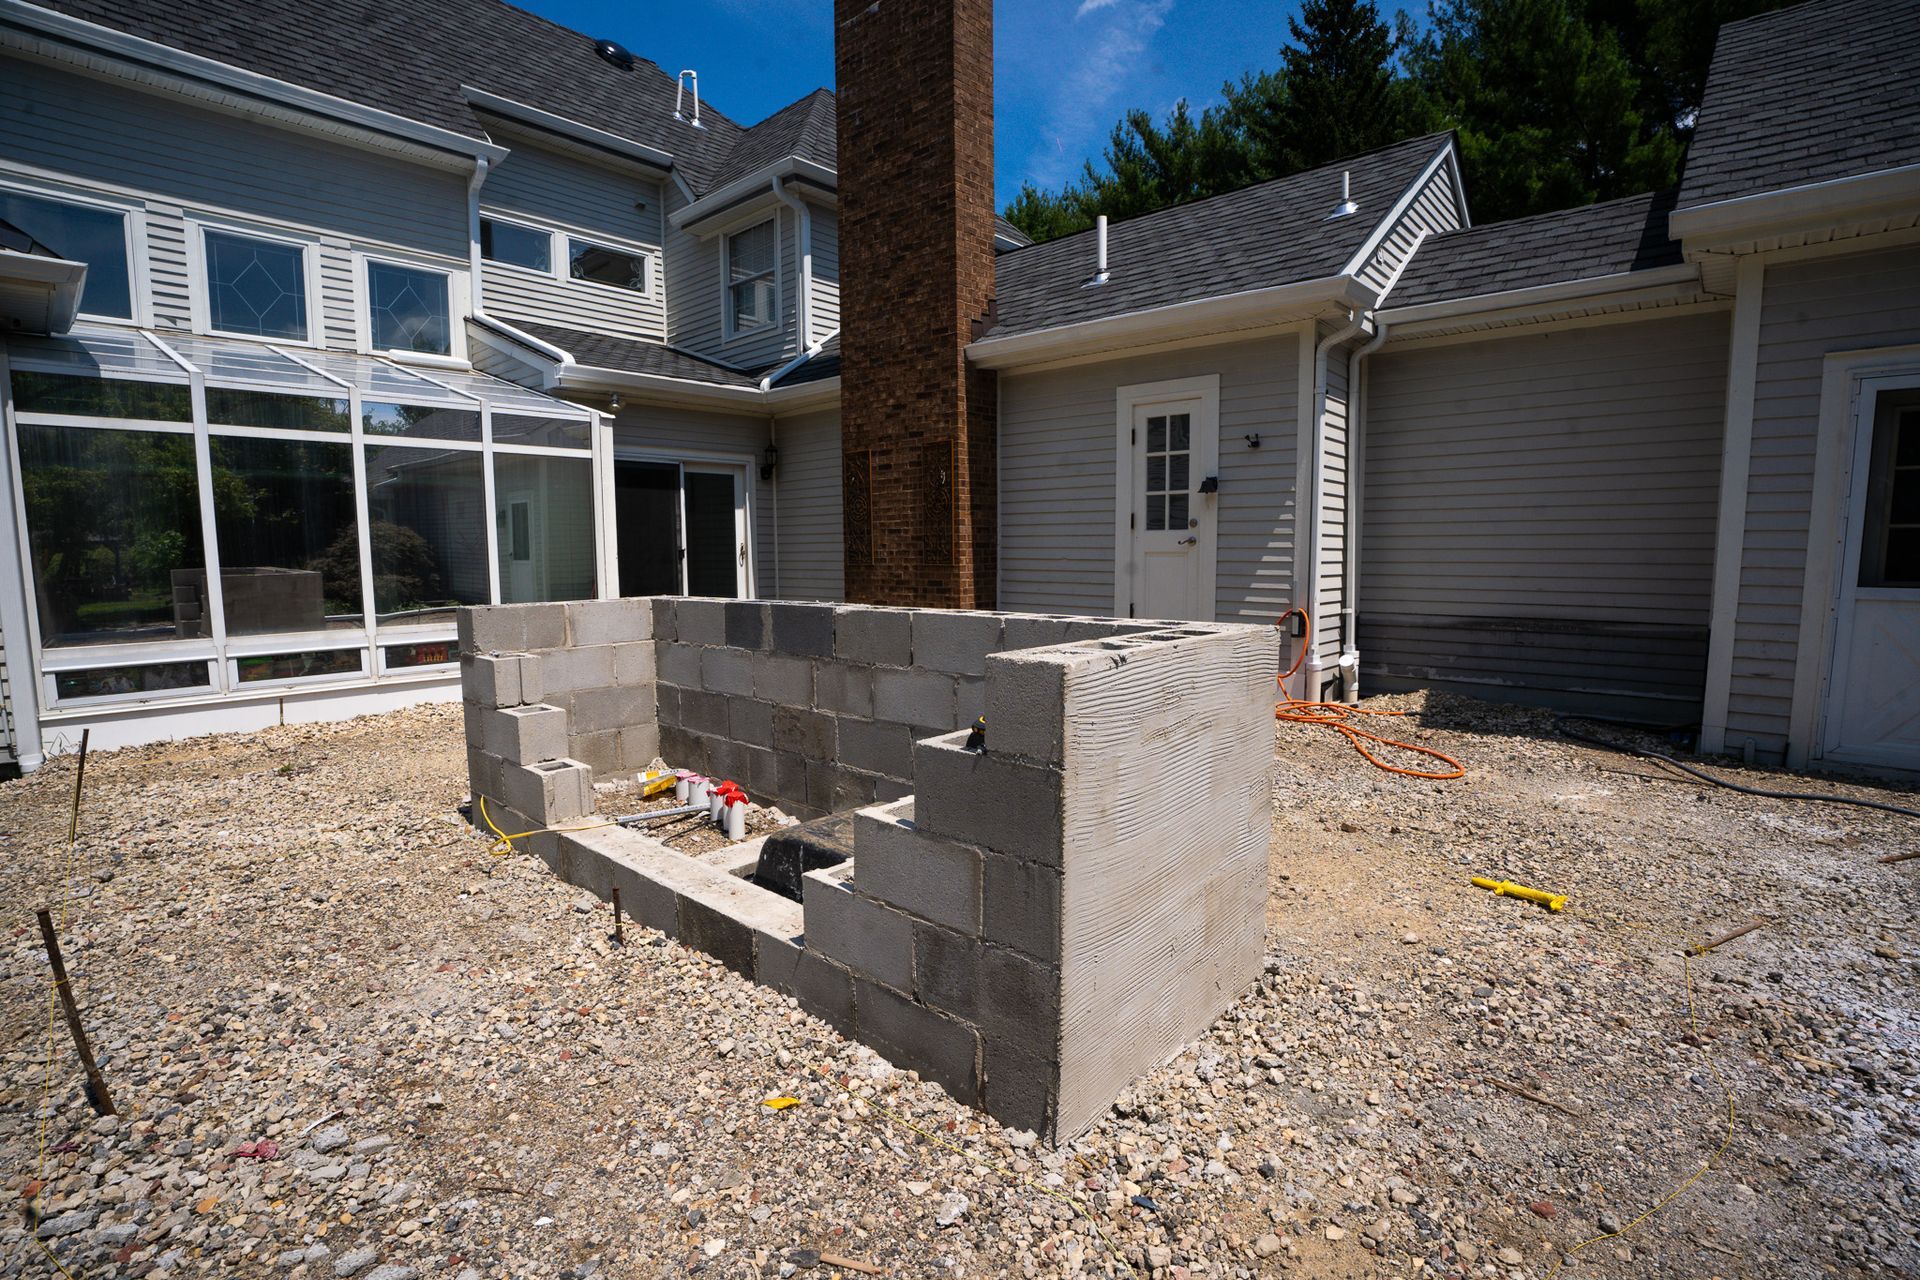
1336,716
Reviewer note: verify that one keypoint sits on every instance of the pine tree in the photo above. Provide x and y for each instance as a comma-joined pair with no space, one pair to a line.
1334,97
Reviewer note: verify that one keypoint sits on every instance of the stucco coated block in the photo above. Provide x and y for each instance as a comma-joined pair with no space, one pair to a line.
746,624
609,621
913,1036
727,671
679,664
781,679
700,621
552,791
579,667
905,867
954,642
878,637
914,697
842,688
1024,704
527,735
979,798
802,630
861,934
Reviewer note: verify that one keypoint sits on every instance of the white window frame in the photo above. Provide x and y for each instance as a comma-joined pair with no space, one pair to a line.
458,308
200,287
133,220
555,270
50,687
729,331
290,643
563,264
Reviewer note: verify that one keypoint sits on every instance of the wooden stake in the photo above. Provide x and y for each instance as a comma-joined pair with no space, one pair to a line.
1902,857
96,1083
1701,948
1531,1096
79,778
851,1264
619,938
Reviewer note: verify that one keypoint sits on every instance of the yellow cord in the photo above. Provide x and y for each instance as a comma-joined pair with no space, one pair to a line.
504,845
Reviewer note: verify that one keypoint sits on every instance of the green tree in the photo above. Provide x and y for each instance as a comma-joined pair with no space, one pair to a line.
1336,94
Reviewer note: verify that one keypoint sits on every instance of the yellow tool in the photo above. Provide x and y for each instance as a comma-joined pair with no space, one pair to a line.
652,784
1507,888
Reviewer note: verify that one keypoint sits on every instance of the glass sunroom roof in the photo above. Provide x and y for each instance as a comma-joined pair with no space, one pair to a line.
99,353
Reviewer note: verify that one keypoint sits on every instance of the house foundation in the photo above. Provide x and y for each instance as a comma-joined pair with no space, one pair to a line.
1032,923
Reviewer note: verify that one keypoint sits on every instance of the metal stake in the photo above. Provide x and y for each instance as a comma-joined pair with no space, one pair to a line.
619,938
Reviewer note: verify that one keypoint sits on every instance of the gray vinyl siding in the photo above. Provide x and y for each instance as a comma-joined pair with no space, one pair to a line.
811,540
1435,209
1058,456
826,274
575,196
695,296
683,435
1809,309
1540,512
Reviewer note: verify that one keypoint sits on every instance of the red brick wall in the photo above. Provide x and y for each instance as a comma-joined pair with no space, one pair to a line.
915,86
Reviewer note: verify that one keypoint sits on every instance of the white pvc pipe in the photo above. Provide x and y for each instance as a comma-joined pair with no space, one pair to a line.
736,819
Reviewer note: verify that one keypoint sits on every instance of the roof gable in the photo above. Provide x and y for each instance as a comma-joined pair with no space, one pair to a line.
804,129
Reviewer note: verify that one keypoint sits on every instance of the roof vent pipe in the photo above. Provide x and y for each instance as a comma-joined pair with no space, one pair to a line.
1100,250
1346,207
679,96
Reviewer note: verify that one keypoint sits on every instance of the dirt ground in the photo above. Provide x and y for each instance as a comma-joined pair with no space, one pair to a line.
348,1042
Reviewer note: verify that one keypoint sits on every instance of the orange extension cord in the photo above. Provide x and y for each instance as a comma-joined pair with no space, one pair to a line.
1339,717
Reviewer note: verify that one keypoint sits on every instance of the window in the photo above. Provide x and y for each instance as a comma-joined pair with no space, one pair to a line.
233,407
1168,455
118,682
617,267
256,287
289,542
79,233
408,308
113,531
87,397
1890,551
421,421
750,290
554,433
515,245
543,515
434,653
298,666
427,521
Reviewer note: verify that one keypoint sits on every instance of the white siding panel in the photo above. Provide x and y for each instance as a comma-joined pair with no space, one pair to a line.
695,297
811,539
167,271
1433,210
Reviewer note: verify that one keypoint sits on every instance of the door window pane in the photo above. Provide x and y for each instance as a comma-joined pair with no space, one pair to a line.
113,527
1167,472
543,511
231,407
409,309
646,509
88,397
115,682
421,421
516,245
1890,549
588,261
427,522
289,545
256,286
713,545
78,233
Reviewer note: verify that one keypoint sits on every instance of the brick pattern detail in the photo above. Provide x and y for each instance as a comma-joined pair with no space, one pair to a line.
856,488
936,500
916,234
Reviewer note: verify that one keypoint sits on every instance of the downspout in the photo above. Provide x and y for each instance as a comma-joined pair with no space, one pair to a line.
773,484
479,178
803,305
1356,496
1316,485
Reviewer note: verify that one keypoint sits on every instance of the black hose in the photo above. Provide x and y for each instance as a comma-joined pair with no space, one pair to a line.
1560,724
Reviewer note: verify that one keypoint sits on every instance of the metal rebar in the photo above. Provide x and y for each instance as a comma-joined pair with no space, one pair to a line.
96,1083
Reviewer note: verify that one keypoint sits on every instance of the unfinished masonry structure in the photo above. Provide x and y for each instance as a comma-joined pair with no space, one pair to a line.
1033,924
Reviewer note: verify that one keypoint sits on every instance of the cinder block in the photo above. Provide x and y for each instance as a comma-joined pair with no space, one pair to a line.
916,1037
746,624
879,637
684,749
700,621
727,760
863,935
1019,998
969,700
573,669
878,746
491,679
666,704
634,663
1095,629
954,642
788,681
609,621
485,773
473,719
886,790
679,664
775,961
717,933
1020,906
808,732
821,781
763,775
1018,1088
904,867
980,798
851,790
946,971
639,746
511,628
533,678
750,721
551,791
727,670
1031,631
527,735
599,751
703,712
597,710
914,697
843,689
825,990
790,779
663,617
802,630
1026,705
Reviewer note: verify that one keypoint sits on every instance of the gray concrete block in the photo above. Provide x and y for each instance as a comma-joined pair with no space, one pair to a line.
917,1038
639,746
825,990
751,721
1031,631
763,775
679,664
969,700
886,790
781,679
984,799
842,689
802,630
914,697
599,751
821,782
511,628
485,773
527,735
790,778
1017,1088
718,933
1026,705
1020,906
954,642
775,961
727,671
635,663
533,678
700,621
663,617
746,624
878,637
473,719
703,712
609,621
684,749
861,934
491,679
727,760
851,789
946,971
550,792
878,746
611,707
811,733
666,704
1019,998
904,867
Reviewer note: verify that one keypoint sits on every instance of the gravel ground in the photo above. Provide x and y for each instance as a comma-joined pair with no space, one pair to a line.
347,1042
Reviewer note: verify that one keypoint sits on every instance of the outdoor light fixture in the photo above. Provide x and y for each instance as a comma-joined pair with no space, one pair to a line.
772,457
614,403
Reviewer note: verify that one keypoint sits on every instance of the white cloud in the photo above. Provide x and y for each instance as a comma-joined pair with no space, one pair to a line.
1091,87
1093,6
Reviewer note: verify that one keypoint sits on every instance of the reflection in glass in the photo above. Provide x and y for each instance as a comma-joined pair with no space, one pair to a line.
228,406
256,286
113,522
543,513
427,521
408,308
111,682
554,433
298,666
433,654
290,549
420,421
79,233
82,396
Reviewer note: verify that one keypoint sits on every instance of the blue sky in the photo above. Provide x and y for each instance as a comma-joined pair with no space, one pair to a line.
1065,69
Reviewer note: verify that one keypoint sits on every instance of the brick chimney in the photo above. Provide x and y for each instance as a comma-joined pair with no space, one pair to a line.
915,87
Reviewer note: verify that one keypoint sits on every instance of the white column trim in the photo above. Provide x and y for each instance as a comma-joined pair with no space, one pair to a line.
1729,546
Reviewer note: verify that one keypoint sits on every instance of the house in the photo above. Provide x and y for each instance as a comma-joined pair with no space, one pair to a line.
307,349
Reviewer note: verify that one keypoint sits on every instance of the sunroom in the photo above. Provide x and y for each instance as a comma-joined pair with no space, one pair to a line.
213,524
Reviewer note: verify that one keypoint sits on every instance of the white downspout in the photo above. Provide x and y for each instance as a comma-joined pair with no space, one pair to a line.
803,305
1316,484
1356,496
478,302
773,485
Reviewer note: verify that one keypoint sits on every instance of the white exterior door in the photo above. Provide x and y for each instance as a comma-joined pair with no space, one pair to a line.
1873,698
1165,538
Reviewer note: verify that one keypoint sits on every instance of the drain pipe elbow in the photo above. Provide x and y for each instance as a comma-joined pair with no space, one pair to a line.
1312,668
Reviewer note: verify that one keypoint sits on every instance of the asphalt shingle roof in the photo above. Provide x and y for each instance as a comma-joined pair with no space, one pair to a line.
1272,234
819,369
804,129
631,355
1820,91
1548,248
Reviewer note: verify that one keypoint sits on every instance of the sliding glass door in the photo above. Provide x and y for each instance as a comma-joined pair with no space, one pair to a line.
681,528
